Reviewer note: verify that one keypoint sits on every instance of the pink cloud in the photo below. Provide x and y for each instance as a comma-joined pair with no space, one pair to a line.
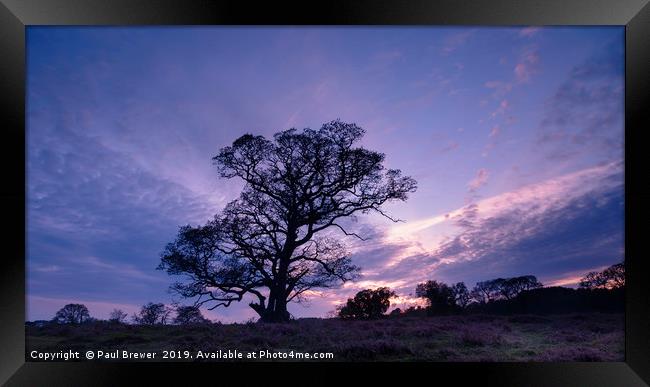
453,145
527,65
503,106
495,131
571,279
479,180
553,191
522,71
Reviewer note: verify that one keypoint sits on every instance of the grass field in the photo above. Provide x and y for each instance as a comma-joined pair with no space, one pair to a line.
575,337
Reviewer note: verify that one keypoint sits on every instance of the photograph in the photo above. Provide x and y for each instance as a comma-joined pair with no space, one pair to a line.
325,193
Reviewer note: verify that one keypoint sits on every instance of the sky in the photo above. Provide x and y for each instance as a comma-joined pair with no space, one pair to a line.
515,136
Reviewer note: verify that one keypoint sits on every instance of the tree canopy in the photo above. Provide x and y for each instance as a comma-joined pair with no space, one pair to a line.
188,315
367,304
440,297
274,242
503,288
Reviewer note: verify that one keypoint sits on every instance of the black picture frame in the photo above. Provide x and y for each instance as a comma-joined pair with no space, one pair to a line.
16,15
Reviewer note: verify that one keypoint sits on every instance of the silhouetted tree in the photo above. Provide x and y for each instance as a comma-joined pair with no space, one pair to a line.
152,314
611,278
190,314
72,314
117,316
461,295
486,291
615,276
593,280
440,297
503,288
367,304
270,243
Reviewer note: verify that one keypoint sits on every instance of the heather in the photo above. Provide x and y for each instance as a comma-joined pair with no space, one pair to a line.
457,338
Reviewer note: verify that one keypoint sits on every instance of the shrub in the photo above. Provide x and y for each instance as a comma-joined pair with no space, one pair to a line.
367,304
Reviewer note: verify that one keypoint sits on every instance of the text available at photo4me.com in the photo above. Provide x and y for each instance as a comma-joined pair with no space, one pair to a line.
178,355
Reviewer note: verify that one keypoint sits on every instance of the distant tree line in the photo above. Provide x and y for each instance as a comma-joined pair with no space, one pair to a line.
149,314
598,291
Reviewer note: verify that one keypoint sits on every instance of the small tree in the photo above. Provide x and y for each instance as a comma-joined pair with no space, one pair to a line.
72,314
152,314
187,315
439,296
367,304
117,316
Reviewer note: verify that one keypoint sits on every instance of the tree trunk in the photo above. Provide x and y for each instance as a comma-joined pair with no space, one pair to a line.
281,314
276,309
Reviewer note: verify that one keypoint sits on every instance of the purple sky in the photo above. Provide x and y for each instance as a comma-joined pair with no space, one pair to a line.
515,136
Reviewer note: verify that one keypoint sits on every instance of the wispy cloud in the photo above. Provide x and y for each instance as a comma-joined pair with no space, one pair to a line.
454,41
526,67
452,145
501,88
118,270
504,105
496,129
479,180
42,268
584,117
